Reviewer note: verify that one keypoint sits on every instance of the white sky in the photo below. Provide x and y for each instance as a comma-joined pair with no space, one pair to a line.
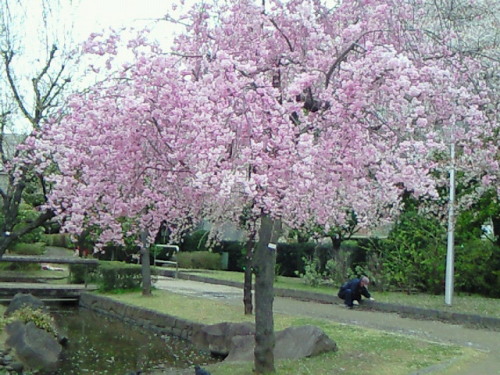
94,15
70,22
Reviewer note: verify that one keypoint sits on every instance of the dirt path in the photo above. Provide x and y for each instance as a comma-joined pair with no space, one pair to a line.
480,339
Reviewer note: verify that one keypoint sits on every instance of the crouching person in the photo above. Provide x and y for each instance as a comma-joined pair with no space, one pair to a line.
352,291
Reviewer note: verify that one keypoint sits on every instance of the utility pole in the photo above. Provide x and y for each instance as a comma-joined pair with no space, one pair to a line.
450,253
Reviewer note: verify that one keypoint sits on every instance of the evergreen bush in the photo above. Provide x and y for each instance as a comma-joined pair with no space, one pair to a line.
58,240
199,260
413,256
477,267
33,249
290,257
195,241
22,248
81,273
236,254
118,275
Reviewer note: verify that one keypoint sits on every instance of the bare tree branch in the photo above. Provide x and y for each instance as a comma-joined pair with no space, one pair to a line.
282,34
7,57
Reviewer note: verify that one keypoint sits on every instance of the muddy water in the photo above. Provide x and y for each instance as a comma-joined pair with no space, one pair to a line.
100,345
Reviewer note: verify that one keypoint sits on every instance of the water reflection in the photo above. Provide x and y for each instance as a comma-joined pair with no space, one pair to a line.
100,345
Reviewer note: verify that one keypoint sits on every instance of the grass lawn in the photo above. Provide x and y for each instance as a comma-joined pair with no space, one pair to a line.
361,350
461,303
51,277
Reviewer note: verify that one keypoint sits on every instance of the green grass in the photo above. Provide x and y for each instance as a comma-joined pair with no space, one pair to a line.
472,304
52,277
461,303
361,350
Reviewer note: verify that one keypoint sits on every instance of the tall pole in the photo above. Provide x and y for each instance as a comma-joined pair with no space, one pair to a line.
450,253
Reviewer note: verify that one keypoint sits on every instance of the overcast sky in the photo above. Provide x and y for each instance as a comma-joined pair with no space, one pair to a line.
92,15
70,22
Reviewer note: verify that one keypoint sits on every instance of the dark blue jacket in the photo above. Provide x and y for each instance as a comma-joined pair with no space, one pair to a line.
356,290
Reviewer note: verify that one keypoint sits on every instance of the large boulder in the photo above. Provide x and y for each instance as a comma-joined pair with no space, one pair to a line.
34,347
293,342
217,338
21,300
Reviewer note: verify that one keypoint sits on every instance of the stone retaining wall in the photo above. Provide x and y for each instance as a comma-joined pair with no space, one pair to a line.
154,321
474,320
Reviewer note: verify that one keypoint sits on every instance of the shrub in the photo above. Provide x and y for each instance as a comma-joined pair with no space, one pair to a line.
24,249
58,240
27,214
414,254
81,273
476,267
40,318
199,260
37,248
312,274
158,251
196,241
118,253
236,254
335,272
119,275
290,257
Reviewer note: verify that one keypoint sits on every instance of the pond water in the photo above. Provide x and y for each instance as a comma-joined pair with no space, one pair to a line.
102,345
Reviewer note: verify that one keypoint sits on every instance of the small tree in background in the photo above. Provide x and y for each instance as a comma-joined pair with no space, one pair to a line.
31,89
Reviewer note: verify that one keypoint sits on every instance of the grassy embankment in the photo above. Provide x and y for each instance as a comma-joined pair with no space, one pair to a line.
462,303
361,350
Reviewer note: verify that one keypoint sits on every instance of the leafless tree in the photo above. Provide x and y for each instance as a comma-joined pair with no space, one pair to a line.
33,80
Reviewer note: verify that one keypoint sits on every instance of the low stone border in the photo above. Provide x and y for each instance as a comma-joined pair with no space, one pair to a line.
154,321
476,321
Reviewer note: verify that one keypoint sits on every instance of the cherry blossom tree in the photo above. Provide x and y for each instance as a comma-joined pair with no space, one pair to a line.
293,113
123,155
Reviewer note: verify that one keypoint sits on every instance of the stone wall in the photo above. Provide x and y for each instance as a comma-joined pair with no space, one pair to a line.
154,321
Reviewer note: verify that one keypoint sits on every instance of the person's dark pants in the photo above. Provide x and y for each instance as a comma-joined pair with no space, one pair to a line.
346,295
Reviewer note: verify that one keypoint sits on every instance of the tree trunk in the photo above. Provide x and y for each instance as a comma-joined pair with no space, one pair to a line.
9,236
336,243
264,264
496,228
247,285
146,266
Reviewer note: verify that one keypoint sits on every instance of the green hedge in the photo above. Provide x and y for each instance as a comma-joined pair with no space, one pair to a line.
24,249
195,241
477,268
79,273
119,275
21,248
236,254
199,260
109,275
290,257
58,240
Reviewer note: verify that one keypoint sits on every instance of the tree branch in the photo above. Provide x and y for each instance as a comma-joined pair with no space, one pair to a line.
282,34
7,56
337,62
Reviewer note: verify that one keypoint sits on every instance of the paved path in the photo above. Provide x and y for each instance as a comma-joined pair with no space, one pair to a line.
480,339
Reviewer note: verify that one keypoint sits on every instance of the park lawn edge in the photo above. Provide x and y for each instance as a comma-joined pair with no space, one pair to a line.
462,303
361,350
